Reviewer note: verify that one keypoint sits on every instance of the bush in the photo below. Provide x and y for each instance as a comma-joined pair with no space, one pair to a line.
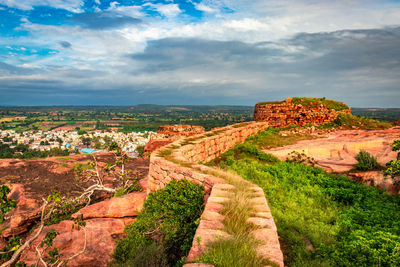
368,249
140,150
164,231
366,162
393,166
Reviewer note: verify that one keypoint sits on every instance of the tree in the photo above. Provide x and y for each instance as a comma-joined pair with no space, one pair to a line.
86,140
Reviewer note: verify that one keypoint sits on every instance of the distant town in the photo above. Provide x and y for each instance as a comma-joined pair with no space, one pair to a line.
75,141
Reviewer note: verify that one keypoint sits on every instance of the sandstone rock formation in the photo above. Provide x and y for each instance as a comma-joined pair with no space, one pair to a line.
336,151
27,211
100,241
128,205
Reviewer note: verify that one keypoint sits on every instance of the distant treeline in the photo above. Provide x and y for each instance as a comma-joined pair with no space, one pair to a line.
23,151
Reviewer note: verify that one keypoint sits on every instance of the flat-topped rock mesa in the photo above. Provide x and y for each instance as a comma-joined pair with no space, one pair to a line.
300,111
167,134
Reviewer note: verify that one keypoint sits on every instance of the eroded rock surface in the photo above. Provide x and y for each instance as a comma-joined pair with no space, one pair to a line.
336,151
129,205
100,241
27,211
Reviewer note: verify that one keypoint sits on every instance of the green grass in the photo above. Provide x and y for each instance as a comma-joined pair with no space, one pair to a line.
322,219
346,121
232,253
314,102
346,223
271,138
267,139
240,248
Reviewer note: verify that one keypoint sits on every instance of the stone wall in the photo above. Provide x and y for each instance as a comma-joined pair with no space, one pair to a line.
197,149
182,160
286,113
167,134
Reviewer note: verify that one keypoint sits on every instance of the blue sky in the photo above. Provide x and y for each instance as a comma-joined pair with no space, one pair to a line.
61,52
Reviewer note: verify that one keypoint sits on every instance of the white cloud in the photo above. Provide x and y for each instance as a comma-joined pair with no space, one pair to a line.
204,8
71,5
168,10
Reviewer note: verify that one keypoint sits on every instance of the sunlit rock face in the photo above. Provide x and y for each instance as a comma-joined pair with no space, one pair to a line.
336,151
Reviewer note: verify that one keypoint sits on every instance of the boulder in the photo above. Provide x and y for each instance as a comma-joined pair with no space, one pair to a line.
27,211
100,241
128,205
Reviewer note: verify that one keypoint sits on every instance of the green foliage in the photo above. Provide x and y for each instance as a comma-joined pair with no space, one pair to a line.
366,162
232,253
5,204
113,146
81,132
367,249
12,245
22,151
396,146
314,102
163,232
393,166
347,121
297,157
48,239
346,222
140,150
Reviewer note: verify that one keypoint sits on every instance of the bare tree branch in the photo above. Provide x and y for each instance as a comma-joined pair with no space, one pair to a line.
18,252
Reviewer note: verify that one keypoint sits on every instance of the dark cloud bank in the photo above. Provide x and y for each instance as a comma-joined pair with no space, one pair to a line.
360,67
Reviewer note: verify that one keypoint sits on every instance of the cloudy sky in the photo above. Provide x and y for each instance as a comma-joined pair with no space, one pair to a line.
126,52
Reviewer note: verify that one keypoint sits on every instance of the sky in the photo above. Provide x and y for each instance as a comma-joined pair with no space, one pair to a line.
232,52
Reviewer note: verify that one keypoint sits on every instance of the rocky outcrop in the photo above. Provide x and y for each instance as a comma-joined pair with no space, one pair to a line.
129,205
27,211
105,222
100,241
286,113
336,151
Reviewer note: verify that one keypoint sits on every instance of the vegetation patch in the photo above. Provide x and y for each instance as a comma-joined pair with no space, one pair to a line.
393,166
5,204
346,121
311,102
366,162
240,248
325,219
162,234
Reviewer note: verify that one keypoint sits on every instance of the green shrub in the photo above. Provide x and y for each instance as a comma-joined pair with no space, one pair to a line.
393,166
347,121
5,204
347,223
164,231
366,162
367,249
140,150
